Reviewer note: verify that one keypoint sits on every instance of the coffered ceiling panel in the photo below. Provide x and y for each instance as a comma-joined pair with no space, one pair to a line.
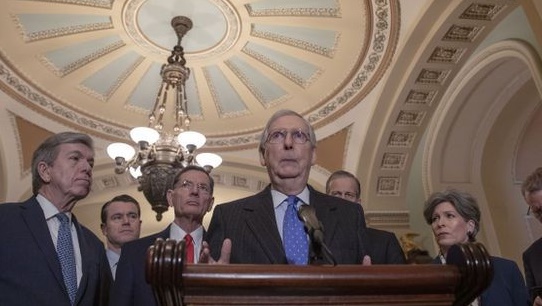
97,63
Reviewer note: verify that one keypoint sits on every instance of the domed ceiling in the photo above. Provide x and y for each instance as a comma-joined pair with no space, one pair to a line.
375,77
96,64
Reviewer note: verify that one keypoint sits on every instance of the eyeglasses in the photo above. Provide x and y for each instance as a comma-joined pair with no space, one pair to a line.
344,195
189,185
298,136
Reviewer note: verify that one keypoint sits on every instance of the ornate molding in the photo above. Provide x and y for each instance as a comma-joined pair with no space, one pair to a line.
37,99
372,67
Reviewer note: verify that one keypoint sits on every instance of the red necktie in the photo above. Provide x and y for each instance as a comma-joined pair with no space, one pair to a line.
189,244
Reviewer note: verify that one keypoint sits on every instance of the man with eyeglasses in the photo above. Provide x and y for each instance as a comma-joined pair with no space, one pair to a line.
191,196
121,223
531,189
382,246
264,228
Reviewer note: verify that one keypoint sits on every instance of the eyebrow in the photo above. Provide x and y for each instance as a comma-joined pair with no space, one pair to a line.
80,153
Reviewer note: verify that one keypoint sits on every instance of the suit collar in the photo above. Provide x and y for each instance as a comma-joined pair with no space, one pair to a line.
326,209
261,222
34,218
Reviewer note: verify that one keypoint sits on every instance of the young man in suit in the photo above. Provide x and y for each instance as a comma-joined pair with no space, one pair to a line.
531,190
261,228
191,197
47,257
382,246
121,223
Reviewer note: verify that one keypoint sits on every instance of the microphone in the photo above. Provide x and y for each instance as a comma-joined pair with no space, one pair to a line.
316,233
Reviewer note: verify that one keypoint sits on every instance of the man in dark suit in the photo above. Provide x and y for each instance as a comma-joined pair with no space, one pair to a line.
191,197
31,271
258,226
382,246
531,190
121,223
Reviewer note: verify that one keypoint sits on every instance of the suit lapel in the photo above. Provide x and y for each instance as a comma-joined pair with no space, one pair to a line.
325,212
35,221
87,258
260,218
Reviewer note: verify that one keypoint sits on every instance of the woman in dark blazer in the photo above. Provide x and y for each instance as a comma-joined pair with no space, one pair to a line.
454,217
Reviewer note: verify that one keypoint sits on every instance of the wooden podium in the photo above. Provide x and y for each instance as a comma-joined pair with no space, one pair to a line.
467,274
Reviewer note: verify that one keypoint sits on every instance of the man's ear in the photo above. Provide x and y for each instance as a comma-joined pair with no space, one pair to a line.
169,196
44,172
262,158
313,159
211,203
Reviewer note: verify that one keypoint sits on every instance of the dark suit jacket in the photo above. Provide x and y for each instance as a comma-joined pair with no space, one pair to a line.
30,272
250,224
131,287
507,287
383,247
532,263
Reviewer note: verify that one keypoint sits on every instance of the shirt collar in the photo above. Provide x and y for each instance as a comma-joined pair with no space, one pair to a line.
112,256
49,209
279,197
177,233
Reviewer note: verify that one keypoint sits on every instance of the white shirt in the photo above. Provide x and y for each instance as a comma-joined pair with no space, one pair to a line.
113,259
177,233
50,211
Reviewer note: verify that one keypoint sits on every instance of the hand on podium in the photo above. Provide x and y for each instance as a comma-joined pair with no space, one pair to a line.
205,255
366,260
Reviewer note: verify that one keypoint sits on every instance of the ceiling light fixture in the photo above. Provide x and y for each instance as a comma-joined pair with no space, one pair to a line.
161,154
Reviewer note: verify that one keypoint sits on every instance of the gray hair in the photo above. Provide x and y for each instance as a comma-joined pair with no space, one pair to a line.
532,183
48,150
277,115
463,202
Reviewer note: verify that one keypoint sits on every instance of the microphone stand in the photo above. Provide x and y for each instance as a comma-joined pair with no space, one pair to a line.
318,250
321,251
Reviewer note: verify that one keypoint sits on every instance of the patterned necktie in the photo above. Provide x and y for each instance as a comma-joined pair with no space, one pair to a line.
64,249
294,236
189,244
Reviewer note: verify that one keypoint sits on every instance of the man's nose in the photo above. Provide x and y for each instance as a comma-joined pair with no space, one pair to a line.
288,140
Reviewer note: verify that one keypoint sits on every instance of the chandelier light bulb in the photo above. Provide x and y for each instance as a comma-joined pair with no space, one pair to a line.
144,134
119,149
135,172
190,138
208,160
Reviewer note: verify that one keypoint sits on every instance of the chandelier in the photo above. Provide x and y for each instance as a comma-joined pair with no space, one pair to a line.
160,153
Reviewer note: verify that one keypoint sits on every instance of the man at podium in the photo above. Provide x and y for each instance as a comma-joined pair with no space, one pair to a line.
265,229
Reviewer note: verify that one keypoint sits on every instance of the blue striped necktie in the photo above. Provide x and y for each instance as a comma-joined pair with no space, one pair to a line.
295,241
66,256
